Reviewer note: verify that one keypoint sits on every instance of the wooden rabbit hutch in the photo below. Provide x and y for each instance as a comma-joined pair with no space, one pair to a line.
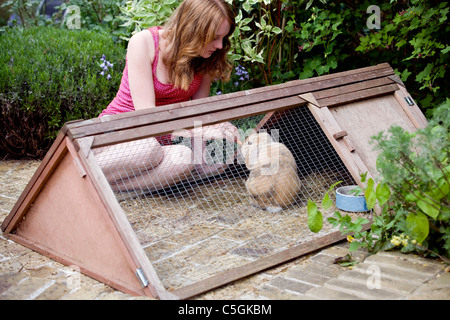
177,240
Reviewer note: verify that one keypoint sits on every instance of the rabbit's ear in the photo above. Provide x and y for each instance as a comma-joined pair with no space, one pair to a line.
263,153
245,149
251,156
264,138
251,160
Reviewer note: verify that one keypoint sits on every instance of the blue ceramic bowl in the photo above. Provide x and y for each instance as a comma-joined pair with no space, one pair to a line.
347,201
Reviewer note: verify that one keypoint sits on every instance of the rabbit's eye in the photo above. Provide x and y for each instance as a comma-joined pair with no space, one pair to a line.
249,143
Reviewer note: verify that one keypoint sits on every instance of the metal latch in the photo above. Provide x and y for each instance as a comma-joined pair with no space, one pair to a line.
142,279
409,101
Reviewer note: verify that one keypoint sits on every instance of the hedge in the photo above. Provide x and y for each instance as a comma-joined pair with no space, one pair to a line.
50,76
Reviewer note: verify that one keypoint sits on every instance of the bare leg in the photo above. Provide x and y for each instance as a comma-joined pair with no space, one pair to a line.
144,165
136,155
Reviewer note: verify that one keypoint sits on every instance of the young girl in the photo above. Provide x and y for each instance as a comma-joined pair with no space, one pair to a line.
166,65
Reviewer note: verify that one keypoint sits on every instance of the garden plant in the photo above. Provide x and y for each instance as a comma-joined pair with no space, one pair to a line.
413,193
49,76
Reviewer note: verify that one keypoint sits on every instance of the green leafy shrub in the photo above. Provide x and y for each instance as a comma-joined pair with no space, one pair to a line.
278,40
49,76
27,12
282,40
413,194
414,39
96,15
416,167
138,15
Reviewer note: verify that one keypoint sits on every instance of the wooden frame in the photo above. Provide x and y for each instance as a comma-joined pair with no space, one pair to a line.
69,198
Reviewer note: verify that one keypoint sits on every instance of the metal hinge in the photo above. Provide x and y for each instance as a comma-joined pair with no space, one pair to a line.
142,279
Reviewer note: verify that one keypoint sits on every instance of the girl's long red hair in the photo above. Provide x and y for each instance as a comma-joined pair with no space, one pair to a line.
191,27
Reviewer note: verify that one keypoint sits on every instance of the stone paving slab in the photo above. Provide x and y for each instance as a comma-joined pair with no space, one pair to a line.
25,274
384,276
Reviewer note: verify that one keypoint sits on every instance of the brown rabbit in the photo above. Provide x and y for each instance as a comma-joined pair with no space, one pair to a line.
273,183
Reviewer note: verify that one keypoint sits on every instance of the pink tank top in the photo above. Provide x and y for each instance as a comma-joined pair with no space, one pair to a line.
164,93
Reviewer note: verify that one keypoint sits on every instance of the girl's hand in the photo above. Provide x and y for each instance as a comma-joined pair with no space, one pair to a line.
220,131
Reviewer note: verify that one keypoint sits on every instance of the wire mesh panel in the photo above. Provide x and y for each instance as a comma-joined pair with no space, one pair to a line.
203,206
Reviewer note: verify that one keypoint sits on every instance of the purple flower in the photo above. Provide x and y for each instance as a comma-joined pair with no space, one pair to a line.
105,65
242,74
240,71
